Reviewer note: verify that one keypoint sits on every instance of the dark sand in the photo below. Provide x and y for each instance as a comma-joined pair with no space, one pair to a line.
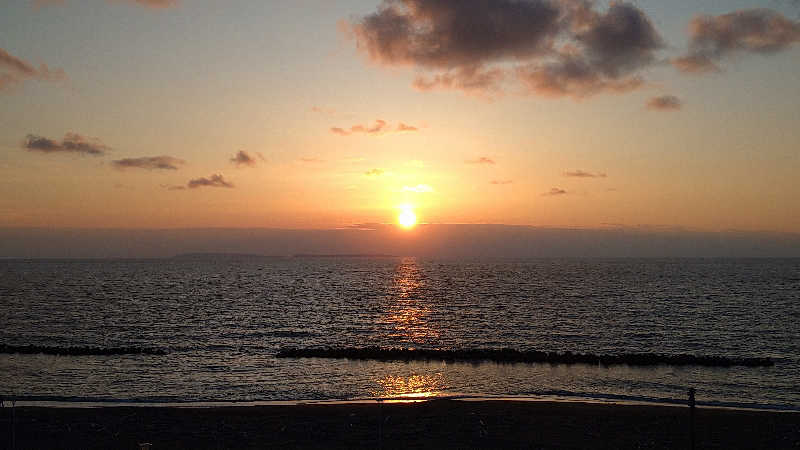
433,424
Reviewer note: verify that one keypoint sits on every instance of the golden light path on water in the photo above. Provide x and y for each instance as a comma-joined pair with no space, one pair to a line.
408,319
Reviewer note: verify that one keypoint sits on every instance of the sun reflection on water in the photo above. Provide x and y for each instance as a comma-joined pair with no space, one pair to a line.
412,387
408,315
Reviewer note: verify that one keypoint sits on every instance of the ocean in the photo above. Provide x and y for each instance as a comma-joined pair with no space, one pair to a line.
222,318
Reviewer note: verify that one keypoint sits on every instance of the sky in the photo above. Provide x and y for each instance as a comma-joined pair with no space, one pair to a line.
317,114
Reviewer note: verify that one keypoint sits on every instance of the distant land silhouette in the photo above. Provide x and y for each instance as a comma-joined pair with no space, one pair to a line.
220,255
444,241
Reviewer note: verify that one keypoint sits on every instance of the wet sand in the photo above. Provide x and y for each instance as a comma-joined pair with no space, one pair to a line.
432,424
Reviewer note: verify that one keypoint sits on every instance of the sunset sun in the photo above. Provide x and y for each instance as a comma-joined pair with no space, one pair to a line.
407,219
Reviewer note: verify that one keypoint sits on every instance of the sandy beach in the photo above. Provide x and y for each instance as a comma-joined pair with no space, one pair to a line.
431,424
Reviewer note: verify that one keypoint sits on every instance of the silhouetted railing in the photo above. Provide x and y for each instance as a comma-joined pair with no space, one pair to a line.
516,356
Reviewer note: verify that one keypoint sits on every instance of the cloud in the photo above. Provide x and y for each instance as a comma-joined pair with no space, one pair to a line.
557,47
575,77
419,189
501,182
481,160
242,158
583,174
664,103
329,112
172,187
555,191
374,172
403,127
310,160
149,163
713,38
379,127
471,80
14,71
215,180
72,143
695,64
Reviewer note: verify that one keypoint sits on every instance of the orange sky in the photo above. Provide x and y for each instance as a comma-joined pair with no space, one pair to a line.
315,115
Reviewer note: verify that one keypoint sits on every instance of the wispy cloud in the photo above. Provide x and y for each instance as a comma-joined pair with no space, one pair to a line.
378,128
403,127
374,172
560,48
172,187
419,189
216,180
501,182
713,38
71,143
584,174
481,160
664,103
242,158
555,192
324,111
149,163
14,70
306,159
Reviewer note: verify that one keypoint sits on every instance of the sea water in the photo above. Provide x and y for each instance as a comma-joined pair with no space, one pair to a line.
222,319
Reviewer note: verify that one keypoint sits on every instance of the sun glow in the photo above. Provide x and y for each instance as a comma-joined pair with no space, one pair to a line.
407,219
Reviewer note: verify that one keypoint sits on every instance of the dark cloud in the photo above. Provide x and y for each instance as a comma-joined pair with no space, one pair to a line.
555,191
665,103
501,182
14,70
149,163
481,160
374,172
242,158
215,180
443,34
712,38
620,41
611,50
72,143
584,174
573,76
564,47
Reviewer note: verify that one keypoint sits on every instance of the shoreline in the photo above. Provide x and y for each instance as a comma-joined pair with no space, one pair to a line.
22,402
433,423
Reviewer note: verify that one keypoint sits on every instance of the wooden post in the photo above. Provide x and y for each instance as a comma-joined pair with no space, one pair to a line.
691,417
